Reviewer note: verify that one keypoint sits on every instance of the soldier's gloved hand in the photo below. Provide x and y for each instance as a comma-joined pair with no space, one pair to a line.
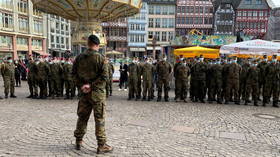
86,88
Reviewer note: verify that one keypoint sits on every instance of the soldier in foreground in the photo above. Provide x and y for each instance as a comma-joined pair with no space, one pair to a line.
92,81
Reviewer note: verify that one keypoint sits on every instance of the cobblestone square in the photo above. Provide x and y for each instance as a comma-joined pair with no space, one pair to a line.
139,129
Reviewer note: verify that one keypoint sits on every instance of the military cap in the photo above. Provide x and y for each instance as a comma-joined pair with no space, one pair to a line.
94,39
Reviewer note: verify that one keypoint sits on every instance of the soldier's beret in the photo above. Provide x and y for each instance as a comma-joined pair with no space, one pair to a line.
94,39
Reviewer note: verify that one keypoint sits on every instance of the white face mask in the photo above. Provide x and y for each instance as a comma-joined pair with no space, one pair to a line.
50,62
37,62
10,61
201,59
164,58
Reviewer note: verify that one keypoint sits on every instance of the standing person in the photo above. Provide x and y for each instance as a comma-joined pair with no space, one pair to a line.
181,74
42,77
17,74
124,76
133,80
62,63
68,79
232,73
147,71
271,84
243,79
31,80
216,83
92,80
252,84
55,73
199,79
110,78
139,80
163,70
1,64
8,74
262,66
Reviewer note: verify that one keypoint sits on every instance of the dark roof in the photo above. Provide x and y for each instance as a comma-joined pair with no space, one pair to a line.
253,5
234,3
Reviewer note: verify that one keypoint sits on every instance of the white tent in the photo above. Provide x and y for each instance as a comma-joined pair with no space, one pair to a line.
252,47
274,4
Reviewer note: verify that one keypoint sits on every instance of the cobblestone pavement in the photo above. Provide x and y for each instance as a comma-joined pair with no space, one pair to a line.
137,129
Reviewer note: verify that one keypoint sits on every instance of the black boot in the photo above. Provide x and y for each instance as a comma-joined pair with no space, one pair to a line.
159,99
13,96
30,96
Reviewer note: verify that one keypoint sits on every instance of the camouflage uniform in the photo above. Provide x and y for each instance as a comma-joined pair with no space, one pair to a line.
181,74
68,80
243,80
33,88
96,76
147,71
271,85
262,66
163,69
55,72
139,82
232,72
42,78
216,83
198,73
252,86
109,82
8,73
133,80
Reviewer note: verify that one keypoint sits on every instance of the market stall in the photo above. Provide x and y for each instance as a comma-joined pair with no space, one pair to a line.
191,52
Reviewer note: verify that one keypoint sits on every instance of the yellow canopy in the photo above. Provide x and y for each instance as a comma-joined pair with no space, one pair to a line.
191,52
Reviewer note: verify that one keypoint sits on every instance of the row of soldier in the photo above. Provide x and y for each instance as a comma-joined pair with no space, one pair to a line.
221,80
47,77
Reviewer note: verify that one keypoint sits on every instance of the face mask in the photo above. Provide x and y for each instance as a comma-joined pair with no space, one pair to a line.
37,62
265,60
164,59
274,60
255,65
16,62
181,59
184,64
62,61
234,61
201,59
50,62
10,61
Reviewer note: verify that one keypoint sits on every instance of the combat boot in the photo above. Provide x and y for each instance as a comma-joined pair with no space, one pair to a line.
102,149
158,99
13,96
275,104
144,99
79,144
30,96
166,99
177,100
185,101
1,98
256,103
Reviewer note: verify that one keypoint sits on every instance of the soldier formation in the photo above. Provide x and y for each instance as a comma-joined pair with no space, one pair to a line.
219,80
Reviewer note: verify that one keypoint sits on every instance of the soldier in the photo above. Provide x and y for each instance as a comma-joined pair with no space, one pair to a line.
243,78
68,80
147,71
1,64
209,78
92,80
62,62
139,82
110,78
232,72
181,75
252,84
163,69
8,74
271,84
33,88
42,77
56,70
262,66
198,73
133,80
216,82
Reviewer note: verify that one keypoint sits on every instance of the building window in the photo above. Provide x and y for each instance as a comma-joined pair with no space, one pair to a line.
255,13
6,20
259,2
37,43
170,36
164,23
57,40
158,9
163,36
23,24
142,38
151,9
164,10
62,40
248,1
52,39
8,4
6,41
22,6
132,27
37,12
157,25
22,41
38,26
150,35
157,36
137,27
151,23
171,10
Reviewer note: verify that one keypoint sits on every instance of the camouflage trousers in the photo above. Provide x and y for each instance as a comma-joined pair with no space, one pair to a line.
70,88
232,86
86,105
33,88
109,88
132,84
181,89
147,88
9,85
271,88
163,83
252,89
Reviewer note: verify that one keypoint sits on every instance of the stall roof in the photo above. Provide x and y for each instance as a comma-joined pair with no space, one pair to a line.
274,4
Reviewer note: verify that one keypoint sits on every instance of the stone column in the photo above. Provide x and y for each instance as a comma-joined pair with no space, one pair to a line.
29,46
14,46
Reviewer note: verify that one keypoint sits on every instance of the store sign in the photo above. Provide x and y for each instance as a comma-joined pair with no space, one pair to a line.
138,49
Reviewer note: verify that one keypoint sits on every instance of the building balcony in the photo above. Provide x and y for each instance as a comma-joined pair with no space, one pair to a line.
117,38
207,26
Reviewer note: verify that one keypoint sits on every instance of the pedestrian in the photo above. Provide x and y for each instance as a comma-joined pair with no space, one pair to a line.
163,70
8,74
109,88
90,73
17,73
